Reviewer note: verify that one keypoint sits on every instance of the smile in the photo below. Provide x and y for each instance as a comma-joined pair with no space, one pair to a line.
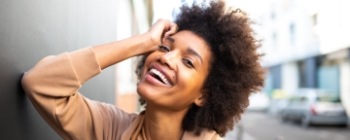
159,76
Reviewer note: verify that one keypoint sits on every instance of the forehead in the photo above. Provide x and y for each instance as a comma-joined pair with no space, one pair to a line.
188,39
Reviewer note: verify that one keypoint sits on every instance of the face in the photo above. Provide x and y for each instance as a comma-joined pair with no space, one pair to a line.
173,75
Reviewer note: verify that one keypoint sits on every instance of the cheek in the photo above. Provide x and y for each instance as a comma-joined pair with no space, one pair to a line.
192,81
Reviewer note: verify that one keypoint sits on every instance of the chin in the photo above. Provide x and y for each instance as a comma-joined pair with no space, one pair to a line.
138,89
143,90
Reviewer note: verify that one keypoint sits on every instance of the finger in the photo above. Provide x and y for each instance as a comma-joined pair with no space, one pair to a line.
173,29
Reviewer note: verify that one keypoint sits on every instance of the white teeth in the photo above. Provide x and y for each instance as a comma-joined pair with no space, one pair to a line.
160,75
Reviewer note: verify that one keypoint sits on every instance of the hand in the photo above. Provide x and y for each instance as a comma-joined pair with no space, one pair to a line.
162,28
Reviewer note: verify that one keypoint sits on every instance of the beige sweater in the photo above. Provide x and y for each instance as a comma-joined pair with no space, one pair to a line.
52,86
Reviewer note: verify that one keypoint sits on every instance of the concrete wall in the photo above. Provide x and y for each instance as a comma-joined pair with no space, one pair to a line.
30,30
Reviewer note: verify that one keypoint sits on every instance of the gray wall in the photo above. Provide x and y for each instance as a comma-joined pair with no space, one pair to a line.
32,29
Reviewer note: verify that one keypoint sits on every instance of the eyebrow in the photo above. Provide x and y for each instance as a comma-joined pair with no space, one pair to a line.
189,49
172,40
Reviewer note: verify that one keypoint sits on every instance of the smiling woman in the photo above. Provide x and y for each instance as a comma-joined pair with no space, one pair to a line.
195,78
184,61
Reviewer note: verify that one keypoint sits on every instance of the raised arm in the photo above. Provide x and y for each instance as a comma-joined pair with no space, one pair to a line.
52,86
111,53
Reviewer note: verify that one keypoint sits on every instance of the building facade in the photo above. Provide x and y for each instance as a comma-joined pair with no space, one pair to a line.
306,46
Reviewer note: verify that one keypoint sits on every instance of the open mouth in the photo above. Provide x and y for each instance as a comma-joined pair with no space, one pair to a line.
159,76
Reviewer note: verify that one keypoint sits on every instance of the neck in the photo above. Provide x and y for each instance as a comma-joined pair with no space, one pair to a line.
160,124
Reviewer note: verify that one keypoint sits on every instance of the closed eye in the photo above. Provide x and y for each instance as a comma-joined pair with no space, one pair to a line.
188,63
164,48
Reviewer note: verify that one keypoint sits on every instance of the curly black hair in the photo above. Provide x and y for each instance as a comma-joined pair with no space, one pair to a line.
234,72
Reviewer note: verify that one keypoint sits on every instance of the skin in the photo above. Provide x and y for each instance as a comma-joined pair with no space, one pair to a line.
183,57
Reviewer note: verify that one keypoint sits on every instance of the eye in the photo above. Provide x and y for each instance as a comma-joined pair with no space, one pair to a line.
164,48
188,63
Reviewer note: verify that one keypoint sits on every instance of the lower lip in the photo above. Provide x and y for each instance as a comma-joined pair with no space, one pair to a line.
154,81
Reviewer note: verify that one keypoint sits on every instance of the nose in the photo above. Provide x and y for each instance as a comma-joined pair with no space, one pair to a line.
169,59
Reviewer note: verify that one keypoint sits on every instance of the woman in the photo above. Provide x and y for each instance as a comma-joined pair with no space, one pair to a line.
195,79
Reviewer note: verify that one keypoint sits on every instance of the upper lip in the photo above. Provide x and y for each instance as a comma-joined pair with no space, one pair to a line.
164,72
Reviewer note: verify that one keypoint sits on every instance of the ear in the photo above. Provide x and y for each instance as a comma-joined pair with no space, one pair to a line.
199,101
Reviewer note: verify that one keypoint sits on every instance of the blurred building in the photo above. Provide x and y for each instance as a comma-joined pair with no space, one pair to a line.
306,45
133,17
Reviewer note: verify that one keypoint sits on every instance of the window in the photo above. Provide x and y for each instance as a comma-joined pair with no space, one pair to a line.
292,34
274,39
314,19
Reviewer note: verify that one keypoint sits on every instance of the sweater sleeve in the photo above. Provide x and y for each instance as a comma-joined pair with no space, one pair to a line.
52,86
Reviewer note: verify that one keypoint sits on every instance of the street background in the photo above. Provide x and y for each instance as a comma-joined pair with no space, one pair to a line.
262,126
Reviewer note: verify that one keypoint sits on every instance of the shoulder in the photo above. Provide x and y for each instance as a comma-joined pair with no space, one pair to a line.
205,135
